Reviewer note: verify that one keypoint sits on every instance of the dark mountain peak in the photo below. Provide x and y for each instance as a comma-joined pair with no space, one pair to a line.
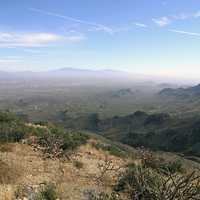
183,93
158,118
140,113
166,91
122,92
194,88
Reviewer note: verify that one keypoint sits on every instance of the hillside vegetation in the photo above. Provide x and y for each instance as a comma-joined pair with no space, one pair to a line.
100,147
159,131
45,162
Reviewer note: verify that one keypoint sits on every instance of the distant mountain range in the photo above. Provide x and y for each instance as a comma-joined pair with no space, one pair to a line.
85,72
76,75
64,72
109,74
183,93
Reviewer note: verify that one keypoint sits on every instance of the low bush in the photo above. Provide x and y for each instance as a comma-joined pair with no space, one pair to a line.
111,149
53,139
48,192
72,140
172,167
78,164
56,142
6,117
42,192
149,160
143,183
12,132
11,128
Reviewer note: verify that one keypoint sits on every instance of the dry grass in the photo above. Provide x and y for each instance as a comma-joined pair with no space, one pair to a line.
6,147
8,174
6,192
70,181
8,178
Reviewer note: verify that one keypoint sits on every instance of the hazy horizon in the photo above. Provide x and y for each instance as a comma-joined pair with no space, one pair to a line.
156,38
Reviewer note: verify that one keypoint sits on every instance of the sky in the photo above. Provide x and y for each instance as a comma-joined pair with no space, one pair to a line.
140,36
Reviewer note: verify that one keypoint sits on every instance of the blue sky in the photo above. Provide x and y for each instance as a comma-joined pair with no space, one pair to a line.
142,36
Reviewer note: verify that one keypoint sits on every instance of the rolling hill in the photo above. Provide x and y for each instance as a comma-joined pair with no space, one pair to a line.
181,93
158,131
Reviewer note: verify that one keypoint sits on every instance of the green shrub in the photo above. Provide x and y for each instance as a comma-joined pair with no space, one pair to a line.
12,131
144,183
172,167
73,140
112,149
149,160
138,182
57,142
7,117
48,192
78,164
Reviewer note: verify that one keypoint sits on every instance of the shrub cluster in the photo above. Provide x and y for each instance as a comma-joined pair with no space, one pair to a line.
142,183
159,164
78,164
56,142
45,191
48,192
11,128
52,139
110,148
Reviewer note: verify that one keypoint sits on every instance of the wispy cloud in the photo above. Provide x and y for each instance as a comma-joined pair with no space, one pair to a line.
140,24
32,51
91,26
97,26
163,21
10,60
75,38
197,14
166,20
181,16
17,39
185,32
13,39
115,30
